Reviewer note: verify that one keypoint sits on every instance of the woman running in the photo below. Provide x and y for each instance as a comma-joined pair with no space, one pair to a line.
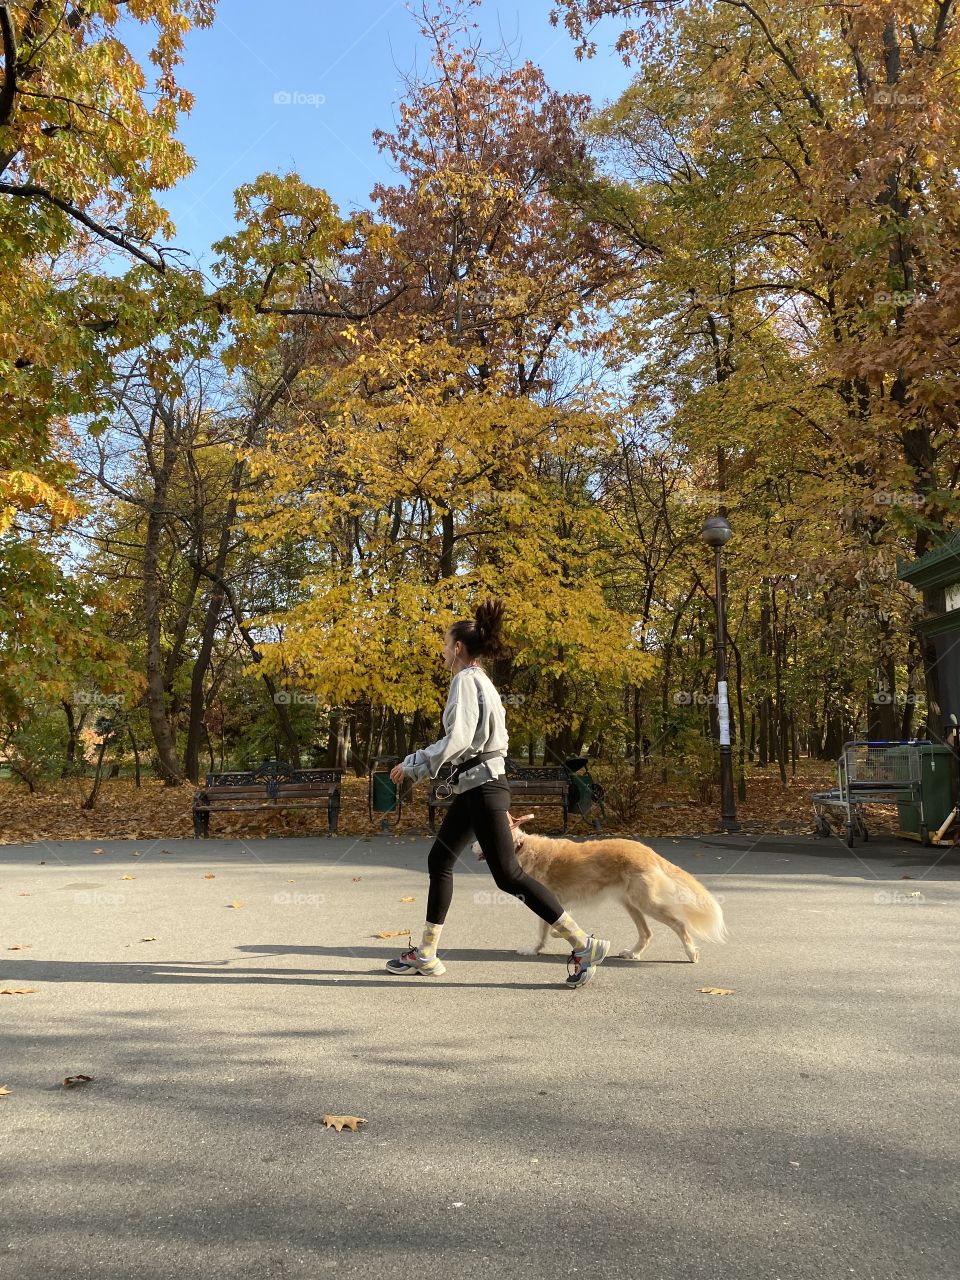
476,743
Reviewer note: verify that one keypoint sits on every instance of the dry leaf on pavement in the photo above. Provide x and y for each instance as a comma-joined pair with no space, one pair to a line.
395,933
717,991
343,1122
71,1081
236,904
4,1091
408,899
17,991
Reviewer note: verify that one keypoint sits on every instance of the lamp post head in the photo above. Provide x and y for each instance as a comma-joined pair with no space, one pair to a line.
716,532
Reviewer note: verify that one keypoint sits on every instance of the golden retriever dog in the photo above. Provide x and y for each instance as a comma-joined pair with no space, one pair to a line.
624,871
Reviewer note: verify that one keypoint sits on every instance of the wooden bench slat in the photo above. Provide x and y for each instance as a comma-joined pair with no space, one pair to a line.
263,804
238,792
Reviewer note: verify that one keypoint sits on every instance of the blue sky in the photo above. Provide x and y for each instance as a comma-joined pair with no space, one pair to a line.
342,65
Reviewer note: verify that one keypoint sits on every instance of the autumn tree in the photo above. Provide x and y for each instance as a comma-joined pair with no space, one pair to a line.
75,106
446,445
792,168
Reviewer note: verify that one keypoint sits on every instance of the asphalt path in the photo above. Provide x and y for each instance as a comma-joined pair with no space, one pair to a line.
803,1127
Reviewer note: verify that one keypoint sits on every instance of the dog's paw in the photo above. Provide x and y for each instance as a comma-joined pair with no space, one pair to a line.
693,955
528,951
629,955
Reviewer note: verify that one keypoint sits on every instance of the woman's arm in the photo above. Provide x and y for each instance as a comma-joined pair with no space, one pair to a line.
460,718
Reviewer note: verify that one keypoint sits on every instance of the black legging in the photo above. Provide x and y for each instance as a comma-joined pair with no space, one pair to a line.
482,811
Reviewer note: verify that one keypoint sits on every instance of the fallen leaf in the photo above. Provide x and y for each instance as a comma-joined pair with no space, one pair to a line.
343,1122
98,851
4,1091
717,991
236,904
794,1164
128,877
906,877
408,899
17,991
20,946
209,876
71,1081
396,933
25,895
357,879
150,939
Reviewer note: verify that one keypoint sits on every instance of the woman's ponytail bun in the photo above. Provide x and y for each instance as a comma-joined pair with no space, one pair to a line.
482,636
488,622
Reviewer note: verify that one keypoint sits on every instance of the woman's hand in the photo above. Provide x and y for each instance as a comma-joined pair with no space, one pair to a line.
396,774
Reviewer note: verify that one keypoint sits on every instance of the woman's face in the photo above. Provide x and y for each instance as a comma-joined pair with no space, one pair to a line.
452,651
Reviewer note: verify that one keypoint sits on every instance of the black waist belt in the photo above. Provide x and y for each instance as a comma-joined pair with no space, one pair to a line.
444,786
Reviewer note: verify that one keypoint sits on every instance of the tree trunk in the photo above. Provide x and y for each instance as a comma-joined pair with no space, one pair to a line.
416,732
637,736
195,725
338,740
91,799
156,693
668,652
73,730
360,735
763,744
741,718
136,756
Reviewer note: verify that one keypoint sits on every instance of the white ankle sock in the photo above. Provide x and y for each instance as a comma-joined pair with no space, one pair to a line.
431,936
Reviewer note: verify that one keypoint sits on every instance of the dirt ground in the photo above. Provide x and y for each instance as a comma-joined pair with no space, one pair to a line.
647,807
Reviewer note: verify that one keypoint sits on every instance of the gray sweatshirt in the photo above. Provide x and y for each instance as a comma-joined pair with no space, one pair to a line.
474,720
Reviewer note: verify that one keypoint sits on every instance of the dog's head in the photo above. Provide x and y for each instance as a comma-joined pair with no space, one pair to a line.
516,830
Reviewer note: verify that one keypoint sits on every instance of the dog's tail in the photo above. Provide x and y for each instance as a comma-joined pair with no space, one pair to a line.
682,894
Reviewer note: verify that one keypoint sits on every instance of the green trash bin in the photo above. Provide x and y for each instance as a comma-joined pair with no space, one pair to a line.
384,793
938,766
382,797
583,793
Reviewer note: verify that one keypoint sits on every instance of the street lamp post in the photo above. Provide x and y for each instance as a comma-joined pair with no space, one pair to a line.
716,532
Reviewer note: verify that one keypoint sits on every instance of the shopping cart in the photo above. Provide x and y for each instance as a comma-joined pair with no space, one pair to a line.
871,773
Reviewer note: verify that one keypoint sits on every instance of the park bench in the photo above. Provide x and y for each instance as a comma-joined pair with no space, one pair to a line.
529,784
271,785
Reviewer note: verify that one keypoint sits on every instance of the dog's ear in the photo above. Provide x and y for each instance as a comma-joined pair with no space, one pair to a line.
515,822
